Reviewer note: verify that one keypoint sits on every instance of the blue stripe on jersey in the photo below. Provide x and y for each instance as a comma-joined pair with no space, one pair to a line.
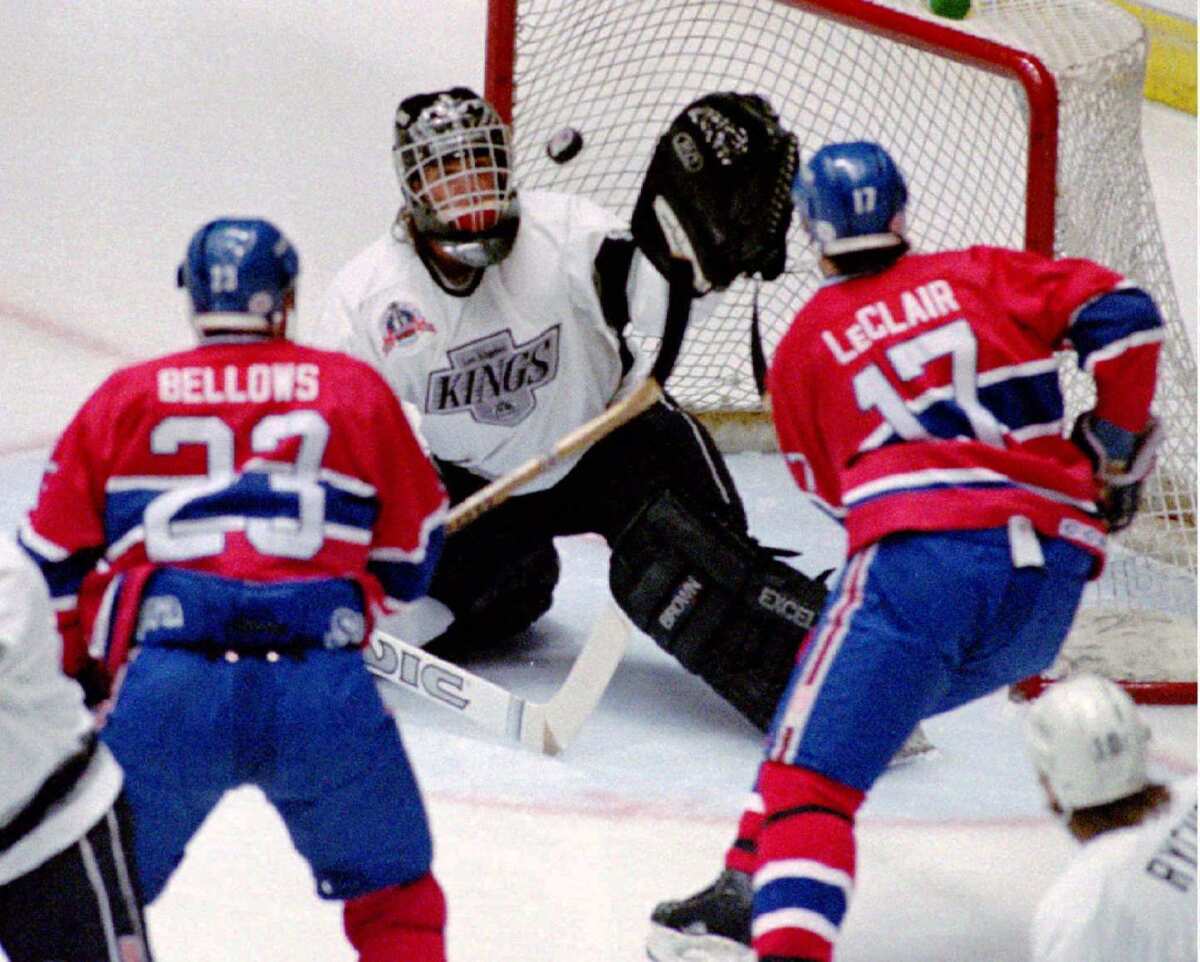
249,496
823,898
1110,318
1017,402
1021,402
409,580
123,511
63,578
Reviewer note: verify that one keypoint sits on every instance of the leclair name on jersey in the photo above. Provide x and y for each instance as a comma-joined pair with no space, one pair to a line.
236,384
877,321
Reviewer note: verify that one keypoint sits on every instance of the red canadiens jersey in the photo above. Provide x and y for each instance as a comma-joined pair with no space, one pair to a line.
258,460
926,397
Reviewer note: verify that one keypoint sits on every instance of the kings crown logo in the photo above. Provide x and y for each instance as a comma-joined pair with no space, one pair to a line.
494,378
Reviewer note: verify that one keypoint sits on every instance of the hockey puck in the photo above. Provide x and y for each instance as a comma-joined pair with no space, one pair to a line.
564,145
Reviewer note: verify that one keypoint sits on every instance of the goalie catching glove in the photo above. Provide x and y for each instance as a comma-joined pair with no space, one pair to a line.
1121,460
721,603
717,193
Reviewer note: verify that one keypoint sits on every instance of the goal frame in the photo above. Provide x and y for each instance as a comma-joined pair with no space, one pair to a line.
1026,69
1035,78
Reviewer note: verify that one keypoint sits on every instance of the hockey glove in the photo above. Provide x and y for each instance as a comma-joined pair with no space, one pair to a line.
1121,460
718,192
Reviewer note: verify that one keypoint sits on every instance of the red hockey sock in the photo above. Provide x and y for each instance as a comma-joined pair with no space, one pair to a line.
401,923
805,874
742,855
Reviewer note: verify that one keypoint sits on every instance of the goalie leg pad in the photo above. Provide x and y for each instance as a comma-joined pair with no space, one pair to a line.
492,599
723,605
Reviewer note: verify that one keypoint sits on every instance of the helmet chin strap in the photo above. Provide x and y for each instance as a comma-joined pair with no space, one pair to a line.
452,275
461,280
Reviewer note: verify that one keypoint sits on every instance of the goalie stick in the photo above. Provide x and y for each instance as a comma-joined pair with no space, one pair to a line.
546,727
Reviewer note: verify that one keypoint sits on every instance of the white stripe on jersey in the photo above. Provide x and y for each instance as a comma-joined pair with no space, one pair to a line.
966,477
43,546
1117,348
927,399
154,482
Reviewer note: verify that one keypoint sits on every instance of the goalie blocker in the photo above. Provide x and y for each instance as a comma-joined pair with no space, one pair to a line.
723,605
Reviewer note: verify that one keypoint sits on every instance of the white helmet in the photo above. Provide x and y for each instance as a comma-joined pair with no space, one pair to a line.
1086,738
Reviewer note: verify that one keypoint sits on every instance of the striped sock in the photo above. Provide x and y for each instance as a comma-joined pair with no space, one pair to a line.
742,855
805,874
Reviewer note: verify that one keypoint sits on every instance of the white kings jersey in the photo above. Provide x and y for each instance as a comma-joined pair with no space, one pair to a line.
1130,894
42,723
498,376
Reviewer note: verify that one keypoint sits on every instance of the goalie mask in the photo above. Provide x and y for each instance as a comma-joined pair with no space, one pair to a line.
453,158
851,199
1086,740
240,275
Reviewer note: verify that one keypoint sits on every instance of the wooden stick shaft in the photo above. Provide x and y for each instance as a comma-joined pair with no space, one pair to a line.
584,436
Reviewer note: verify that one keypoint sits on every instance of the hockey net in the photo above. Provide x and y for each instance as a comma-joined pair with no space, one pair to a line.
1018,126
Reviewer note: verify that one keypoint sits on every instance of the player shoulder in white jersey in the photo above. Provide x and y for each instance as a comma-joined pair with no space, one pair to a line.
1130,893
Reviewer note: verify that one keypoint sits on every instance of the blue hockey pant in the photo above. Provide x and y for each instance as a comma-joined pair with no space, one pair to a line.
917,624
309,730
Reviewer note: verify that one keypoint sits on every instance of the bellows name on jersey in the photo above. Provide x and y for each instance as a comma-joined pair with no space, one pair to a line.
875,321
236,383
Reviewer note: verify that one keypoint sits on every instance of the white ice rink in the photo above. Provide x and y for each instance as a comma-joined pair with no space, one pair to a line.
129,124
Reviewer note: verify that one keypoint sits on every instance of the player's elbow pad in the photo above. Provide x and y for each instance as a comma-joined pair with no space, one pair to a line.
1111,318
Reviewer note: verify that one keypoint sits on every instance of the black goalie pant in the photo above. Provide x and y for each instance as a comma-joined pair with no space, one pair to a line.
498,573
82,905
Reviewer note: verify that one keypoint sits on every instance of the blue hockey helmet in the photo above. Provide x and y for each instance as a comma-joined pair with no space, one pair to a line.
239,274
851,198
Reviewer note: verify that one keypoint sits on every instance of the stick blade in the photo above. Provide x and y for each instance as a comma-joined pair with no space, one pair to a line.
549,728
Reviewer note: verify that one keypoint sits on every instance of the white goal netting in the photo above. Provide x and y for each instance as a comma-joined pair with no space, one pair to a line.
1018,126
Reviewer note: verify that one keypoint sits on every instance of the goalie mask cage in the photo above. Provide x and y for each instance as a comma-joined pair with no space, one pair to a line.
1018,126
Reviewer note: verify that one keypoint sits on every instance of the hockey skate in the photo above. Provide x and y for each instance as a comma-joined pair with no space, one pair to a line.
711,926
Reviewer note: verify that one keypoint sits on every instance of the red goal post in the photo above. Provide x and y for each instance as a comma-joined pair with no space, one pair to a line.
1019,126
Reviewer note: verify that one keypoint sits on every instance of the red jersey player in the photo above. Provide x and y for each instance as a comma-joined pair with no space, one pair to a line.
233,513
916,397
